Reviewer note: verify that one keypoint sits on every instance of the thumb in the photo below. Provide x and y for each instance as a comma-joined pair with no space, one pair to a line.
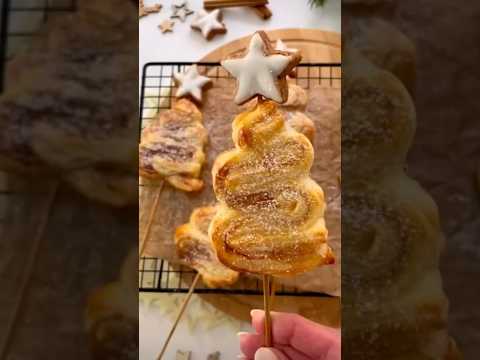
269,354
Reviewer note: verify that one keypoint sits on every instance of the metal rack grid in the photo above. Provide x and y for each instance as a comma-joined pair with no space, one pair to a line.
157,275
158,89
19,22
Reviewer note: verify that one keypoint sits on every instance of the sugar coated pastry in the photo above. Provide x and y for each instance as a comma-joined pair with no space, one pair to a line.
262,71
196,250
392,240
209,24
191,83
270,218
172,147
302,123
378,118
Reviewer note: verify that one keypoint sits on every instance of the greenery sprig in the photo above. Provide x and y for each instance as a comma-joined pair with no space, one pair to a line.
317,3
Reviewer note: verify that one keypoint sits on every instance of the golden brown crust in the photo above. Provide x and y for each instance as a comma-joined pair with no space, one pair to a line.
270,219
303,124
385,46
196,250
172,147
112,315
378,119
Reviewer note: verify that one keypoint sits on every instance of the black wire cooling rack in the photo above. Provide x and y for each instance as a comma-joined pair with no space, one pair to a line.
158,90
19,22
158,275
158,87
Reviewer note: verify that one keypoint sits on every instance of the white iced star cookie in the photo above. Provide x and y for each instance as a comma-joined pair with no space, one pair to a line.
190,83
281,46
263,71
209,24
180,12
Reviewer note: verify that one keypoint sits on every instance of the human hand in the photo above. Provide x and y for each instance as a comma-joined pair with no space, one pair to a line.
294,337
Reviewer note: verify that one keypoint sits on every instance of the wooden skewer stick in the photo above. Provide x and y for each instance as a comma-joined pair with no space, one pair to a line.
267,303
29,268
179,316
153,210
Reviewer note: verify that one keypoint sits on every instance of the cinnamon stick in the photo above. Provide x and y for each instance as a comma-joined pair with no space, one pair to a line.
263,12
215,4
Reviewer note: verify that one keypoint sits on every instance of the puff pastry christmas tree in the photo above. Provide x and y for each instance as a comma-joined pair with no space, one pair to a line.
270,218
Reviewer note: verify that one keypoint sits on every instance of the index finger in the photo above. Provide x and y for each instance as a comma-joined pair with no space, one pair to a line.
310,338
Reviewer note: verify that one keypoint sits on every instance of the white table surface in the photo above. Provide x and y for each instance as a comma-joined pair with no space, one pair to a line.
187,45
184,44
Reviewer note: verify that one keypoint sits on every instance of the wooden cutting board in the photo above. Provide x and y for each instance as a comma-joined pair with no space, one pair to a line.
317,46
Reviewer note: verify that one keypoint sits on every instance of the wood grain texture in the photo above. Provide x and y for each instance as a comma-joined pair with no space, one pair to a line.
316,45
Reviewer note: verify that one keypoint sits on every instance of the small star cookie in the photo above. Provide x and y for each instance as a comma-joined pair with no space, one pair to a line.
166,26
191,83
263,71
146,10
209,24
281,46
181,12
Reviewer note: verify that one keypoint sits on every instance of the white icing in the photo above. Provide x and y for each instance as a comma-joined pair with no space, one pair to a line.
257,73
281,46
208,22
191,83
181,12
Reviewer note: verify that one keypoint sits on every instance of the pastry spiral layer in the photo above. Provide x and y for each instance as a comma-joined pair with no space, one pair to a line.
196,250
378,118
392,295
270,217
172,147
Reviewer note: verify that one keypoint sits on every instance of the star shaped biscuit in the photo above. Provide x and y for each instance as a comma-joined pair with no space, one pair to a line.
166,26
209,24
263,70
190,83
181,12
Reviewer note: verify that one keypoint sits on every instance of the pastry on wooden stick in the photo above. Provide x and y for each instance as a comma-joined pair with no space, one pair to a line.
172,147
270,218
196,250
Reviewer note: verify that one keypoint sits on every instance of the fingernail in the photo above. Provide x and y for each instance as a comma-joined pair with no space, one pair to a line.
241,357
256,312
242,333
265,354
